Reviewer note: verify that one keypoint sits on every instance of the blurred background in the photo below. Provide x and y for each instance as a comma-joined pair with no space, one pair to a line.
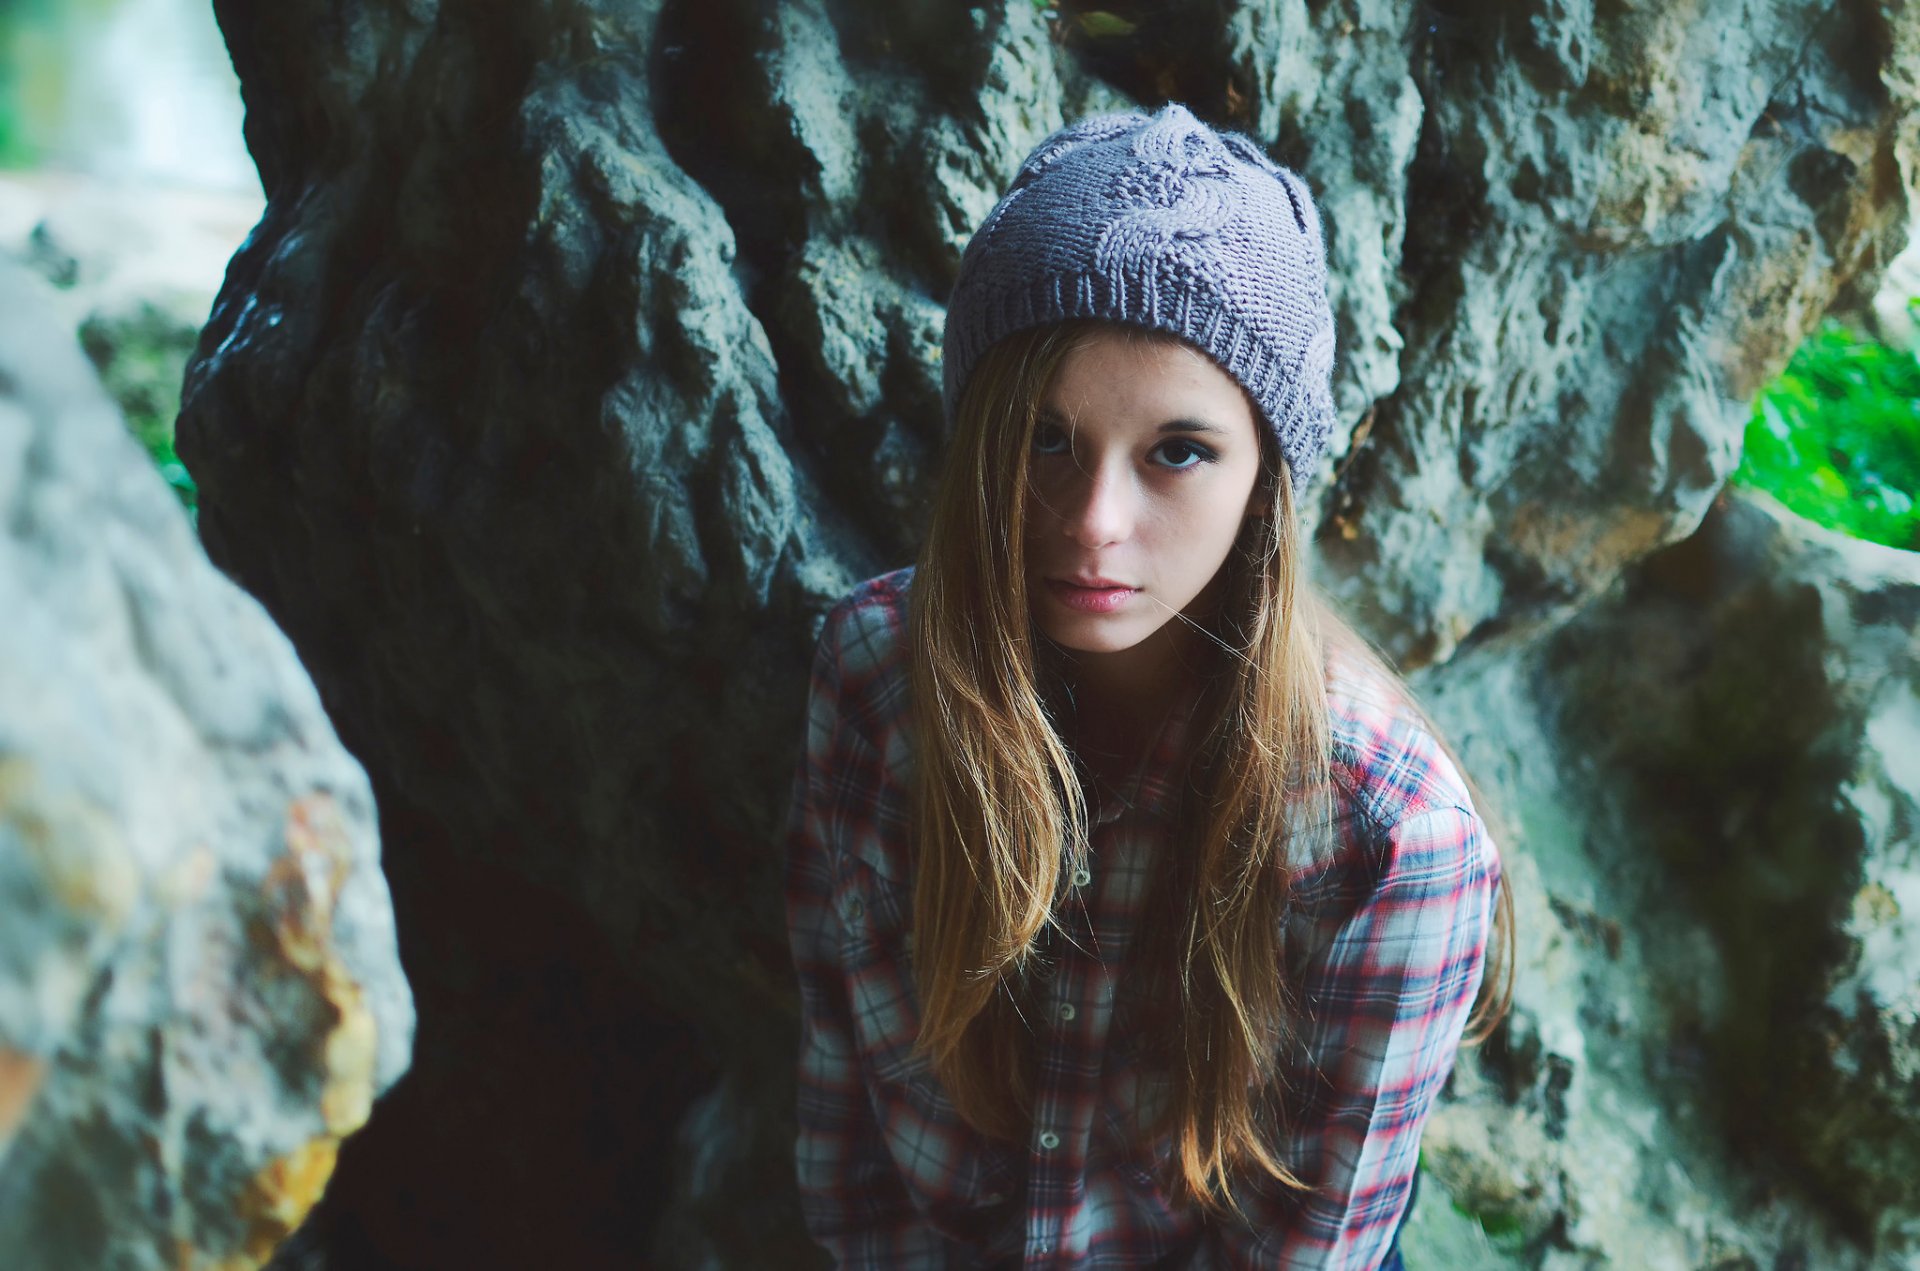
125,184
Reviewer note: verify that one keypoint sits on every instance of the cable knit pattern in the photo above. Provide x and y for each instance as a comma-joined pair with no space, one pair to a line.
1163,222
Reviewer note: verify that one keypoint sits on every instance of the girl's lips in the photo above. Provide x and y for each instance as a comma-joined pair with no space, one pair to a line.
1090,599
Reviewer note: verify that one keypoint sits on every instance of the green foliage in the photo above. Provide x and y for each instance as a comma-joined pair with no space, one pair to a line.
44,71
175,472
1097,23
1461,1236
1100,23
31,78
14,150
142,359
1836,437
1504,1231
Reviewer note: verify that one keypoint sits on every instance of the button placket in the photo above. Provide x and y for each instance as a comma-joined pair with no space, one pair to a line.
1058,1134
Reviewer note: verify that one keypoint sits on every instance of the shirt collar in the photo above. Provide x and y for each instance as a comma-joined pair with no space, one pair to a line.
1152,791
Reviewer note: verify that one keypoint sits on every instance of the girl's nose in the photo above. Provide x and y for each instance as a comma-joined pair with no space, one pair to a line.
1099,509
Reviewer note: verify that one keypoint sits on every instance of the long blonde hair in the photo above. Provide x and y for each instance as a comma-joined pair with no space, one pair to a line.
999,817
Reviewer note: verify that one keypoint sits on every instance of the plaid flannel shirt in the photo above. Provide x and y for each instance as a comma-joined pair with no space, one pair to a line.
1385,948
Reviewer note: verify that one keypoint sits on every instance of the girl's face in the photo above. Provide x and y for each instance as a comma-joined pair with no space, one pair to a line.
1144,465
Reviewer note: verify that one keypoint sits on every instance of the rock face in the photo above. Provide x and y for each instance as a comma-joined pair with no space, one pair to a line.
586,352
200,994
1624,218
1757,691
1712,772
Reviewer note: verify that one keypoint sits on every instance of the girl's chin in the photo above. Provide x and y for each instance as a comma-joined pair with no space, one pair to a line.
1096,635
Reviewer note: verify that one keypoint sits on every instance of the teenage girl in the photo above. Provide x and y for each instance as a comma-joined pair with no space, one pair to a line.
1137,909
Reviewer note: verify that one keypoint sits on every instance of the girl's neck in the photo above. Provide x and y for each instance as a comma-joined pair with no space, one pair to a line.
1118,701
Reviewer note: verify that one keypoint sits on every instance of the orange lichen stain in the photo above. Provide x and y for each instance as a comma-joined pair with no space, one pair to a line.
1875,906
303,885
347,1100
304,882
1857,144
75,847
281,1195
190,879
1589,546
275,1201
20,1076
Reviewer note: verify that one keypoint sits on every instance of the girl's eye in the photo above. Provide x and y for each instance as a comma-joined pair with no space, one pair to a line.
1184,454
1049,439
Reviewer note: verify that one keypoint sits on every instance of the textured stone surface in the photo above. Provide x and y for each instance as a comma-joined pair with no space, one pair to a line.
200,994
1623,219
587,351
1711,775
1757,691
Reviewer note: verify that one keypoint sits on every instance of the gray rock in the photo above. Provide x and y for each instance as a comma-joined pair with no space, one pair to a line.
1622,220
200,995
1757,691
1710,775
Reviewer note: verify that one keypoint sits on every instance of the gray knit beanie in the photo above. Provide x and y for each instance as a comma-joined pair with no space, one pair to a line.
1160,221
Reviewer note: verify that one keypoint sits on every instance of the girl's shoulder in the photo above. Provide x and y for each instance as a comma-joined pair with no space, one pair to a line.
1386,758
867,627
861,661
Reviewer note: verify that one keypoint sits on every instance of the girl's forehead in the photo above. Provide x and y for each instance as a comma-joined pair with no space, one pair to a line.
1113,379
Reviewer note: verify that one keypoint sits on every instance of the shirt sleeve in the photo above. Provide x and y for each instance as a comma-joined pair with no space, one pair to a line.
851,1196
1384,1004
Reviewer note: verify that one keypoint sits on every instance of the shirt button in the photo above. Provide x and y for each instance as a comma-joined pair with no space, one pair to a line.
1066,1011
855,908
1082,877
1049,1140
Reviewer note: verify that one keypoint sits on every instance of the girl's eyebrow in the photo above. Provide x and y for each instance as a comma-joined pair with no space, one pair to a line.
1047,414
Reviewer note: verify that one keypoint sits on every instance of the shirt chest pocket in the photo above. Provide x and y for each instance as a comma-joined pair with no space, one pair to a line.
876,915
